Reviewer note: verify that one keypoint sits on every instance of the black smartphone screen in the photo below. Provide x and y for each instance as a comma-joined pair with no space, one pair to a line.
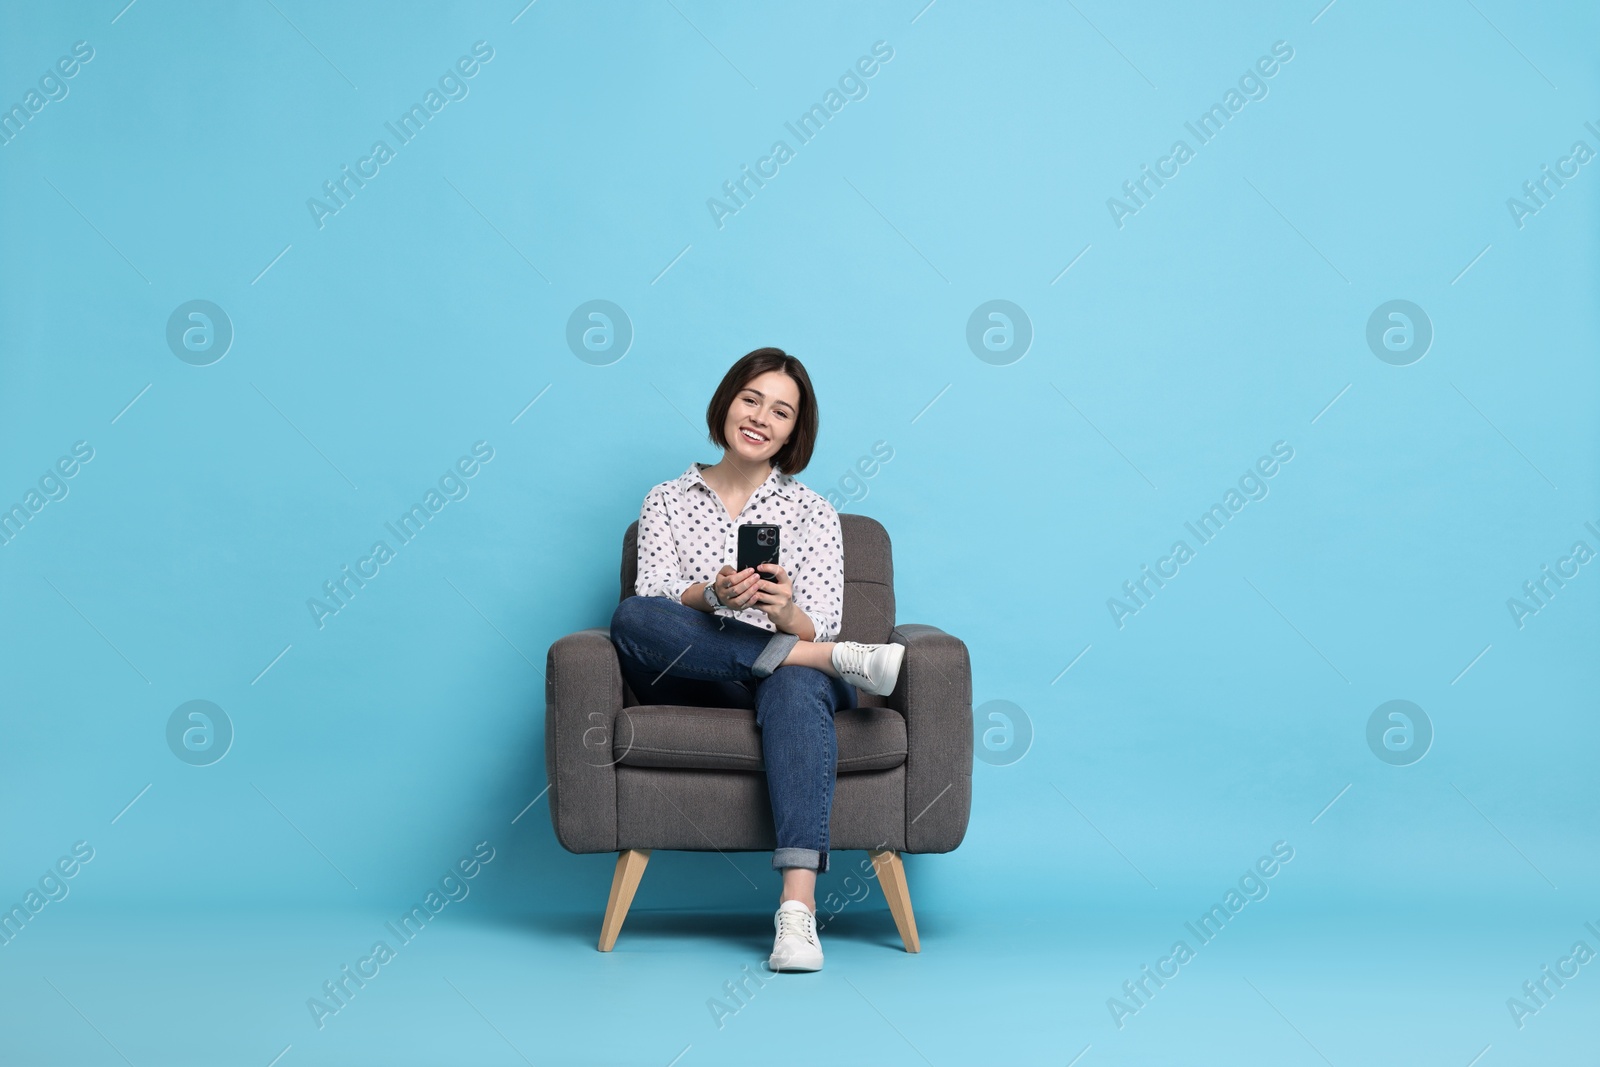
758,543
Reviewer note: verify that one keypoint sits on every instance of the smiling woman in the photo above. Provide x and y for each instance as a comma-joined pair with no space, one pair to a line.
698,632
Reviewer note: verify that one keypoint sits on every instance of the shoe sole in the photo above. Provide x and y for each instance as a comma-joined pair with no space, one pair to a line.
795,965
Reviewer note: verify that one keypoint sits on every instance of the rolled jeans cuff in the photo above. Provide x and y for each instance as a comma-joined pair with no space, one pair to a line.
774,654
809,858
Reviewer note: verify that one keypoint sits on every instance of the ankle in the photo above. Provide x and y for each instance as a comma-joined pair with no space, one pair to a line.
817,654
809,902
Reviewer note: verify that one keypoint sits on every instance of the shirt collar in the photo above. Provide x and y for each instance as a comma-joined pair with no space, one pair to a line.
777,482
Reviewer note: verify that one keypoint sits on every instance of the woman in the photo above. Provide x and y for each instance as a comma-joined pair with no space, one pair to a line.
700,633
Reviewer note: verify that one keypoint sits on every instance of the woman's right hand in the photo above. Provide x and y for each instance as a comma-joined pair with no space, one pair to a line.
735,589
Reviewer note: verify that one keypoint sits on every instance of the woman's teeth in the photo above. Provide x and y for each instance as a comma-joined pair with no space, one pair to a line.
752,438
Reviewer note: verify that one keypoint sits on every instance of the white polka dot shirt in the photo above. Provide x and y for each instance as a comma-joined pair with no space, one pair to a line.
686,535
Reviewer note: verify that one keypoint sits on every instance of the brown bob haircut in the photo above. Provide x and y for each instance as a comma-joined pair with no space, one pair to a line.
796,451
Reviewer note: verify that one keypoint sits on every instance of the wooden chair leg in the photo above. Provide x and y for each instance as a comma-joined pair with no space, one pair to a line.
630,868
892,876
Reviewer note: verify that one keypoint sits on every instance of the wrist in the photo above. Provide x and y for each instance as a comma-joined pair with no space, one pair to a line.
800,624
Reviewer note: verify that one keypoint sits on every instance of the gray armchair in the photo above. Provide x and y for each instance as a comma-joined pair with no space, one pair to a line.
630,778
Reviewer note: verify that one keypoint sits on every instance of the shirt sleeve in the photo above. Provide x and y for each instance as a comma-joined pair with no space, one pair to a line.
819,572
658,572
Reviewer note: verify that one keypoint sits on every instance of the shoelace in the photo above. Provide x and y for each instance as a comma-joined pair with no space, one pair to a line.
795,923
852,658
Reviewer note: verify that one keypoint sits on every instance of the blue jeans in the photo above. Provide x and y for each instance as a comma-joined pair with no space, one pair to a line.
671,653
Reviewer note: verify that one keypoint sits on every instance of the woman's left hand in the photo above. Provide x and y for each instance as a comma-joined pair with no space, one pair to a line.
774,593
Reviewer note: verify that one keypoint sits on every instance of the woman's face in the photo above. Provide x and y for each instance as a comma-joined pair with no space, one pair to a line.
767,406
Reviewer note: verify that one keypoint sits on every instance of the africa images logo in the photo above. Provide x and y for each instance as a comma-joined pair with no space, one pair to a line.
852,86
1139,191
452,87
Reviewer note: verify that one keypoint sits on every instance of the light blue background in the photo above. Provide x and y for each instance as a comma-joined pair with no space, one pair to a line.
1223,317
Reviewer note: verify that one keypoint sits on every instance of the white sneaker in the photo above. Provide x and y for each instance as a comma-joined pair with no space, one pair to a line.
874,668
796,948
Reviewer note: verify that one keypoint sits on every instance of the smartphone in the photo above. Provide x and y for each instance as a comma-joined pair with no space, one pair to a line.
758,543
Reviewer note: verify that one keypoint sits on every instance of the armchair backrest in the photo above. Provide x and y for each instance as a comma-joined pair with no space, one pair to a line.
868,577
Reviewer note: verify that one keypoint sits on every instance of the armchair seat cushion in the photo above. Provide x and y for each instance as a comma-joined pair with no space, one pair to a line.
727,739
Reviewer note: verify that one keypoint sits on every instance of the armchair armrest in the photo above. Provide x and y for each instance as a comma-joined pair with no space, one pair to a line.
583,697
934,694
